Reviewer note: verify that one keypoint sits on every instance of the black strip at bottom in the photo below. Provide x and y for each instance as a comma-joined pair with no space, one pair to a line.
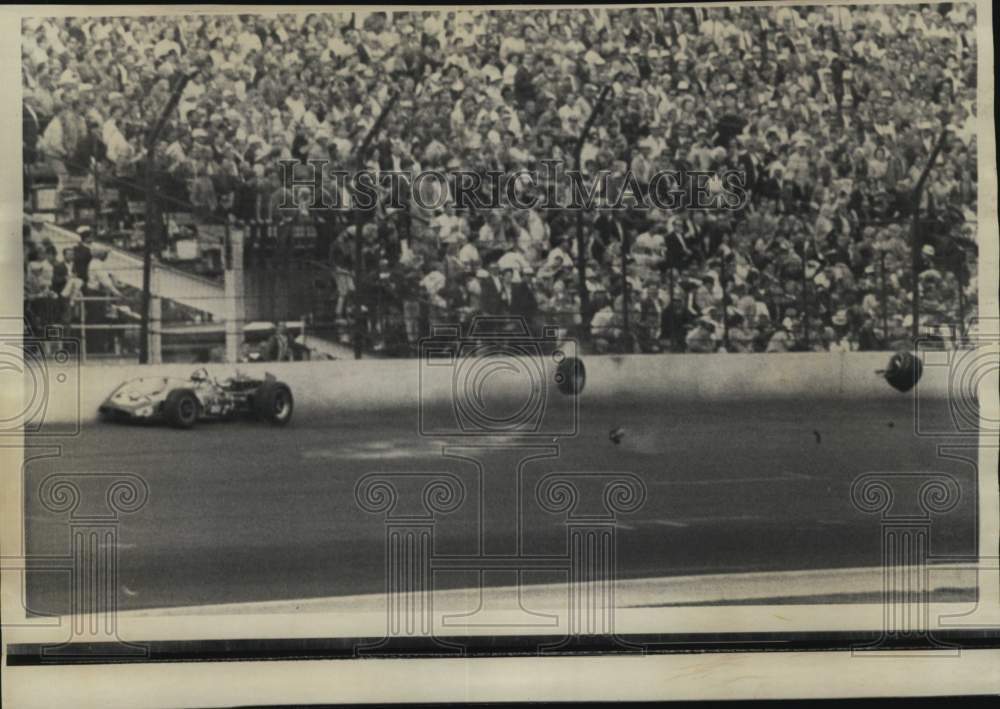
20,655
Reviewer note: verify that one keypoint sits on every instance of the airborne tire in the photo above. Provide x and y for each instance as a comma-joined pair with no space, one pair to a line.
571,376
181,408
903,371
273,402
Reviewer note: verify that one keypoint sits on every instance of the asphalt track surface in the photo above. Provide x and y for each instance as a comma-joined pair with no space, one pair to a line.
242,511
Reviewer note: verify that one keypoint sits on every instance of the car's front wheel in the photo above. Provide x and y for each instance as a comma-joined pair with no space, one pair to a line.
273,402
181,408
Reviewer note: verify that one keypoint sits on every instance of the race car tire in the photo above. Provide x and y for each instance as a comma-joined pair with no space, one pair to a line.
571,376
273,402
903,371
181,408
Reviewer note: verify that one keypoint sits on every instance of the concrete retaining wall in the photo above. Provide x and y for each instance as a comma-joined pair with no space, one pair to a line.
372,385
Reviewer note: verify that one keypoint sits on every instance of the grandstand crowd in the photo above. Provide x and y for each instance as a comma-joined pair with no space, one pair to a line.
830,113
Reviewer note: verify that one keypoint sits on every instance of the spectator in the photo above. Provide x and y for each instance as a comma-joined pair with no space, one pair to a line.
763,90
701,338
278,347
82,254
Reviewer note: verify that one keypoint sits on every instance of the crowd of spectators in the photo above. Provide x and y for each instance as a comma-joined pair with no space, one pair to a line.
831,113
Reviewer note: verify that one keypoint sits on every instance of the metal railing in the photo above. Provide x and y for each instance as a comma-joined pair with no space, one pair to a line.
290,273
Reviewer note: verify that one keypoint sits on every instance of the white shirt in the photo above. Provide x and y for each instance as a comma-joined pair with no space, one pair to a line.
514,260
433,282
469,255
249,41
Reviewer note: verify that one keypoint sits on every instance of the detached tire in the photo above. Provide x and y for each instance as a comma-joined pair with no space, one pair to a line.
273,402
571,376
903,371
181,408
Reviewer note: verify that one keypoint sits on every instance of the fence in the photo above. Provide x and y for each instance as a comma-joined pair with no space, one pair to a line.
883,284
105,328
304,267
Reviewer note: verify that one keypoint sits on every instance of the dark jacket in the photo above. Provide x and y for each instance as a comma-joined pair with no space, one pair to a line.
523,302
490,299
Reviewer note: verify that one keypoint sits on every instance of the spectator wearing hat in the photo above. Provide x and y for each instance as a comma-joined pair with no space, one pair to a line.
333,78
650,318
605,325
523,301
64,134
491,286
82,254
37,289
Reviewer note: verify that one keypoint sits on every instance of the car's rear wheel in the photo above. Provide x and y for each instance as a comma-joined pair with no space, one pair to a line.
273,402
181,408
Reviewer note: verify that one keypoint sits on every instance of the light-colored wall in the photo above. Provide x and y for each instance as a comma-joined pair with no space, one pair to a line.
375,384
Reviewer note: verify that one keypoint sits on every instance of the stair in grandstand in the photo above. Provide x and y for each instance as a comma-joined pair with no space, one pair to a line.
191,290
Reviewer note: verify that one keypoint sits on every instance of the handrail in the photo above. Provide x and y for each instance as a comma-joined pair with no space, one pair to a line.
122,253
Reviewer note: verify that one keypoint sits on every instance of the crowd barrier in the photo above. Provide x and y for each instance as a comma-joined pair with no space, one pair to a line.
347,386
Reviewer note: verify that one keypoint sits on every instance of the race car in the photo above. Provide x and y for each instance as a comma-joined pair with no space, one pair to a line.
183,402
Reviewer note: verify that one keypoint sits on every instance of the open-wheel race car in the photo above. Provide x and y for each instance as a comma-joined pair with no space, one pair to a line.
183,402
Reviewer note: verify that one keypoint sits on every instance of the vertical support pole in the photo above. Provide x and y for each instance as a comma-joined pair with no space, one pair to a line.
626,295
805,300
97,198
882,299
234,292
675,313
155,343
915,268
152,205
581,245
359,274
155,330
150,231
915,232
725,304
581,268
963,281
83,329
